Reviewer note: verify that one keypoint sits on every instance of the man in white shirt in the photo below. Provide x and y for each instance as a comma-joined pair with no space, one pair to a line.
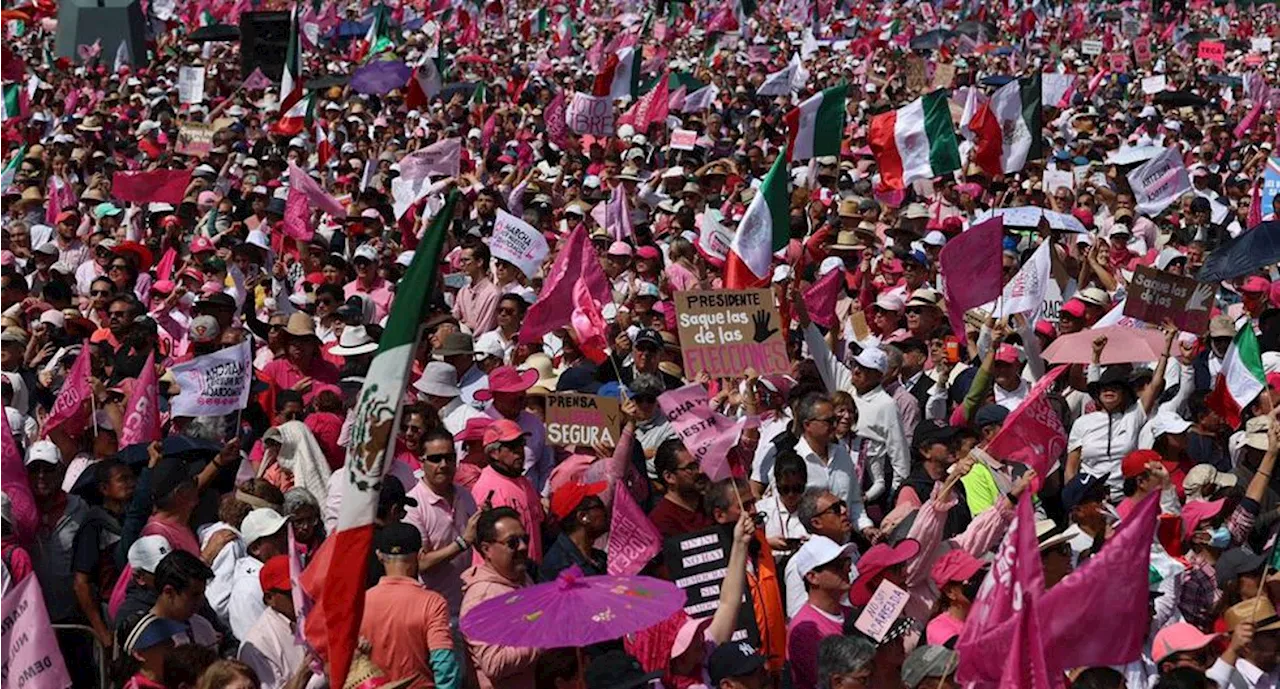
270,647
1250,660
822,514
265,537
439,386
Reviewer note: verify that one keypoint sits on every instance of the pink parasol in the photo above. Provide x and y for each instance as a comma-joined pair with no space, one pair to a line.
1124,345
574,610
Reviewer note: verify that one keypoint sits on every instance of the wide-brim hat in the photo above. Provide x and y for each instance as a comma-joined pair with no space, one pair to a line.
355,341
507,379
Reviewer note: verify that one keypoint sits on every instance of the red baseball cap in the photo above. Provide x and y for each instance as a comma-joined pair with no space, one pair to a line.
1254,284
503,431
68,216
1136,462
955,565
568,496
274,575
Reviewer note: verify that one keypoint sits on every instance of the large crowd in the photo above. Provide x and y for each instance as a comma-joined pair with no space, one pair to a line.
302,372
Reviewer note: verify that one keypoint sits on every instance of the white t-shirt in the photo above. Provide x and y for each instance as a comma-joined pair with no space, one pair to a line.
1104,439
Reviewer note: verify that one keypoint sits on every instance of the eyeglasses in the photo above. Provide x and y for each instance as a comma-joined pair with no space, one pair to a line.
442,457
826,419
118,266
100,293
514,542
837,508
275,327
796,489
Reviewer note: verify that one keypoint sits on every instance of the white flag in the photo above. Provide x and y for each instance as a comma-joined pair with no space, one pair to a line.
701,99
781,82
518,243
122,56
214,384
1159,182
1025,292
440,158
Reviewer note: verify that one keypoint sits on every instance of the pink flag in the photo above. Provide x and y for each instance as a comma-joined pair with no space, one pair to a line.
30,647
256,81
440,158
161,186
75,392
617,215
554,117
1260,102
971,265
1008,600
589,328
303,182
1033,434
297,216
633,540
13,480
1255,207
141,410
704,432
654,105
820,299
554,307
164,268
676,100
61,197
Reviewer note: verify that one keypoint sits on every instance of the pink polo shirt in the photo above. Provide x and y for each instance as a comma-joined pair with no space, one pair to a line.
441,522
381,295
517,494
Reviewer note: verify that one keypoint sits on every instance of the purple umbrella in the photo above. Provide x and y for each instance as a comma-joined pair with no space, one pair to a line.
573,610
380,77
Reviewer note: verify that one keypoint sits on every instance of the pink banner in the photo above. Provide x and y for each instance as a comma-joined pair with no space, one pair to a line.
297,216
141,410
300,180
554,307
1033,433
820,299
633,539
301,601
971,264
160,186
164,269
13,480
617,215
32,659
705,433
441,158
75,392
554,118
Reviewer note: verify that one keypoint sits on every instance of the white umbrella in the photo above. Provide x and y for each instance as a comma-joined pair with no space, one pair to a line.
1128,155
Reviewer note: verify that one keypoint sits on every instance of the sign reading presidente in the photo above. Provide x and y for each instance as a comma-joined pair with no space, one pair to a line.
1156,296
584,420
725,332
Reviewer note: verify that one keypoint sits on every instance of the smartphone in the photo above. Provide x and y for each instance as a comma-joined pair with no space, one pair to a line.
953,351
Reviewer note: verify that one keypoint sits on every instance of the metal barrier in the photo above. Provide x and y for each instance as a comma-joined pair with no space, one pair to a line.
100,654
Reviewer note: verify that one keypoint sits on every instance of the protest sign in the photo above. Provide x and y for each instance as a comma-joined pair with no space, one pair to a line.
705,433
214,384
195,138
1091,47
31,654
684,139
1214,51
1270,186
1260,45
590,115
1156,296
441,158
758,54
1142,50
1054,88
1254,59
633,539
191,84
916,78
1056,179
725,332
518,243
696,562
943,75
584,420
1119,62
1154,84
1159,182
882,611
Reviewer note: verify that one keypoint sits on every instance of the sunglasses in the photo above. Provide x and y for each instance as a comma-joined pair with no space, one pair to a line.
796,489
691,466
118,266
514,542
518,443
100,293
442,457
837,508
117,314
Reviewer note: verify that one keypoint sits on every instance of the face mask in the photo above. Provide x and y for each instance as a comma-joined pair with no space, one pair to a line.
1220,538
1234,165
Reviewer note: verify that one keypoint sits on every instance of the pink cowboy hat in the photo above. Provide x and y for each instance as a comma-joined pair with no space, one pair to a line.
507,379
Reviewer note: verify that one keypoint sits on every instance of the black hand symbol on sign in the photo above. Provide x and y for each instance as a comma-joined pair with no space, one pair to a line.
762,320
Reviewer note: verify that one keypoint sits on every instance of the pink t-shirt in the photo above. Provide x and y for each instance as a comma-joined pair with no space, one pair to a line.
805,632
517,494
942,629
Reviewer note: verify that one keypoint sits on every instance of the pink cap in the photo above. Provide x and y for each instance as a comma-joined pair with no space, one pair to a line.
1073,307
1196,511
1256,284
210,287
475,428
1008,354
207,198
1176,638
647,252
1047,329
619,248
501,431
201,244
955,565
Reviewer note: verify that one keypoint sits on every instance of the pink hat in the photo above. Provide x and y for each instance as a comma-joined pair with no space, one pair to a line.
1176,638
201,244
955,565
474,430
207,198
880,557
1008,354
1073,307
1047,329
502,431
619,248
691,630
1256,284
507,379
647,252
1196,511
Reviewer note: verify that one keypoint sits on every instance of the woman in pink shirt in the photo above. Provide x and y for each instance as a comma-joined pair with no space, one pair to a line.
958,576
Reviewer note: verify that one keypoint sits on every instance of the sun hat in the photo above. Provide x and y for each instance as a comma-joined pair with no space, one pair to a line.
355,341
955,565
1201,476
875,561
456,344
300,325
1177,638
438,379
1195,512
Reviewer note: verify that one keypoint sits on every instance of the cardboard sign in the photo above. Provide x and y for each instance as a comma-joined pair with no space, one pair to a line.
1155,84
882,611
584,420
1091,47
195,138
1055,179
724,332
1270,185
1142,50
943,74
190,85
1214,51
31,654
1155,296
696,563
590,115
684,139
917,80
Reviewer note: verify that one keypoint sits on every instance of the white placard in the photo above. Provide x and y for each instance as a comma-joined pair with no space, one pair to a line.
1155,84
191,85
1091,47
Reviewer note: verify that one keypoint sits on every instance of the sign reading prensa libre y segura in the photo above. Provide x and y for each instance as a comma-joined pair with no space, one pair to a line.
725,332
578,419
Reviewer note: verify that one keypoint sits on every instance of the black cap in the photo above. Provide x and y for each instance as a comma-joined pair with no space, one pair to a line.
392,493
169,474
1083,488
617,670
1235,562
932,431
217,300
733,660
649,336
989,415
397,539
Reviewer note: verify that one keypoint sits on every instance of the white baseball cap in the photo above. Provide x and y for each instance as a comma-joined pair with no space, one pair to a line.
261,523
818,551
146,553
43,451
873,358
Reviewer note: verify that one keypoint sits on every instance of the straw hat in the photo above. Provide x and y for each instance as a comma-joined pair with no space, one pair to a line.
300,325
363,671
846,240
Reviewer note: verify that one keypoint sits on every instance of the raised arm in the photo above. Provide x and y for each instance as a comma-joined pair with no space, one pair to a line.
735,582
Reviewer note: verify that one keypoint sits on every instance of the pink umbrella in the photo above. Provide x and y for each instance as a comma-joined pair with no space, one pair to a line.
1124,345
573,611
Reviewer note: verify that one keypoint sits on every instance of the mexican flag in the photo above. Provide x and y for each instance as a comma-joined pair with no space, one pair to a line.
535,23
16,102
620,77
378,37
11,169
1241,379
916,141
815,127
372,442
293,107
324,145
764,230
425,83
1009,127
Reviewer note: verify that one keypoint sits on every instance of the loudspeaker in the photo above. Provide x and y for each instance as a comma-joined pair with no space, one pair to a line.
81,22
264,43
